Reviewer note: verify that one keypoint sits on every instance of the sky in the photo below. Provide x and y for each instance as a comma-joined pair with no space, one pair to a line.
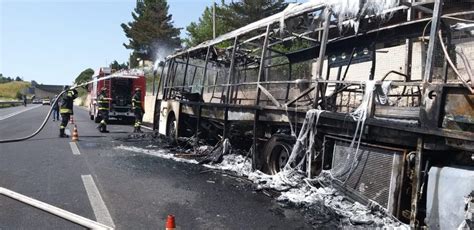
52,41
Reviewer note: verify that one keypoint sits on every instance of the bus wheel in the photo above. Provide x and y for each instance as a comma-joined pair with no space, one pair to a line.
171,128
277,152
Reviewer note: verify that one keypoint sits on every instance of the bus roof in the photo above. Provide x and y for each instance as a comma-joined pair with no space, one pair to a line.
291,11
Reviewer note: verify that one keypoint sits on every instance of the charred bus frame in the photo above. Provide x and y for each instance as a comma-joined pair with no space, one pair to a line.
225,88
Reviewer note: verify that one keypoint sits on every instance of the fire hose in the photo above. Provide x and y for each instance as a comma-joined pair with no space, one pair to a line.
51,110
40,128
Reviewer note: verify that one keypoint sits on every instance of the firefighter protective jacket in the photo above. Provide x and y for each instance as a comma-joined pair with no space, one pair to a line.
136,102
67,101
103,102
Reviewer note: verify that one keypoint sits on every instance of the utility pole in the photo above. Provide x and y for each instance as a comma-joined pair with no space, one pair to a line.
214,20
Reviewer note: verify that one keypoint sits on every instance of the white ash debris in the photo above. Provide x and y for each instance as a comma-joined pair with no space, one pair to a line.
226,147
348,12
351,9
161,153
231,162
203,148
305,143
382,93
296,189
306,194
293,186
238,164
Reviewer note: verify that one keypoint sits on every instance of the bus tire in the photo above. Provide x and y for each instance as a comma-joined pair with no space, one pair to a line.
276,153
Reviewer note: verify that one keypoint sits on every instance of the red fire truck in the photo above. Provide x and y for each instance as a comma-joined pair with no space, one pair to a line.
120,88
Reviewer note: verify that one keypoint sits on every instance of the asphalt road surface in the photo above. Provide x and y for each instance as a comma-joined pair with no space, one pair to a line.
119,188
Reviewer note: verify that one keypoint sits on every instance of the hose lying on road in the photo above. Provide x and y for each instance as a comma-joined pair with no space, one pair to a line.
56,101
40,128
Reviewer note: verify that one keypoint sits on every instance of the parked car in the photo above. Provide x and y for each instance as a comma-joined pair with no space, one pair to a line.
46,101
37,101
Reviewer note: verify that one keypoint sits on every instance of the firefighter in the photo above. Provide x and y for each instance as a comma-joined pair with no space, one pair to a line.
103,102
65,108
137,110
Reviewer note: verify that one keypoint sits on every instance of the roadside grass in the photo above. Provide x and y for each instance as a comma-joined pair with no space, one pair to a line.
7,99
9,90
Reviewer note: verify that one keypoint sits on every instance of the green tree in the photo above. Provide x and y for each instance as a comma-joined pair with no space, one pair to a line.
133,60
84,76
202,30
243,12
18,78
230,17
151,32
5,79
116,66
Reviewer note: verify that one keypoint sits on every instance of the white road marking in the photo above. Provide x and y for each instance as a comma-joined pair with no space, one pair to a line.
74,148
18,112
101,212
53,210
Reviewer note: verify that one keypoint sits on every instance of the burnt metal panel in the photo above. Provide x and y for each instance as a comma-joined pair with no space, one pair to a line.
430,108
458,110
374,173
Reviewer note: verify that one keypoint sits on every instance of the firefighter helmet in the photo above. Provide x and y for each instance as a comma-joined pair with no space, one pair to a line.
137,89
103,89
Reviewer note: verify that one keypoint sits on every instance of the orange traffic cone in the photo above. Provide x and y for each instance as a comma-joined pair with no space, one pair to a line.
170,225
75,135
71,119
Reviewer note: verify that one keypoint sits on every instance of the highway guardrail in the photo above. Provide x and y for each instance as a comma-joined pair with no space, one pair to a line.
12,103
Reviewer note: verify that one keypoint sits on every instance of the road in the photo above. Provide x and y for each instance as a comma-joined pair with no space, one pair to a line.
118,188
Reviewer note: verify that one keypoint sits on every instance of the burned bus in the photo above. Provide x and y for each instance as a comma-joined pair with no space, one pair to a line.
381,99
